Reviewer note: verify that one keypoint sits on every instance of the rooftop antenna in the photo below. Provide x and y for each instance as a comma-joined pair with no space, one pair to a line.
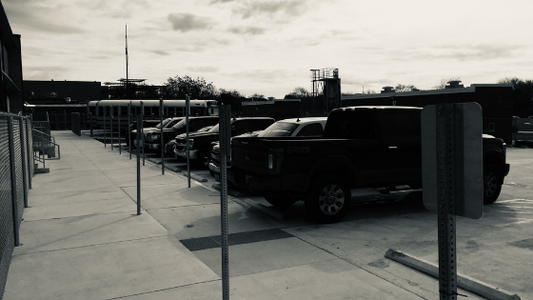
126,41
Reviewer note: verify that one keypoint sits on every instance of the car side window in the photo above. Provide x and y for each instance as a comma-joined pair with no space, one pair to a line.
311,129
259,125
400,124
399,127
353,125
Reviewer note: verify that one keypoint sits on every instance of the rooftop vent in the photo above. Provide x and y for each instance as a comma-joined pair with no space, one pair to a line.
388,89
454,84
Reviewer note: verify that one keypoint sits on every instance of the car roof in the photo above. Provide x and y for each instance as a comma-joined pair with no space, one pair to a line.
304,120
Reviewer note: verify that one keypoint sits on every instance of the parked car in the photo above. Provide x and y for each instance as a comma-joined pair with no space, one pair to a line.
169,147
200,142
132,130
311,126
167,123
152,140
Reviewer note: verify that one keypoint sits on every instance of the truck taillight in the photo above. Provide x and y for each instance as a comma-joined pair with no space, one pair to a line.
274,159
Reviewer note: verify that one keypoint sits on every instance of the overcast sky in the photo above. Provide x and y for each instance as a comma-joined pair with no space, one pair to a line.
269,46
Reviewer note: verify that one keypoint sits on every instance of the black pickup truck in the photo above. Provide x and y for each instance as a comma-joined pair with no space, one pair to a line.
362,147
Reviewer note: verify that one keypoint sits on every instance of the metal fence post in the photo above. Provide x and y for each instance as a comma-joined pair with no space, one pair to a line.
29,153
187,107
119,130
162,141
139,125
105,132
129,132
24,171
111,125
13,180
142,131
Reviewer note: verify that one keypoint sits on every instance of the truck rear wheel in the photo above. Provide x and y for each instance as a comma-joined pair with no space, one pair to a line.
328,200
492,184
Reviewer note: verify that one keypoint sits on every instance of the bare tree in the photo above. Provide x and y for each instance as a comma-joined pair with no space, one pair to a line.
400,88
444,83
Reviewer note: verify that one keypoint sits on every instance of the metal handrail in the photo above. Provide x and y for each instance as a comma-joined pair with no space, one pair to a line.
42,140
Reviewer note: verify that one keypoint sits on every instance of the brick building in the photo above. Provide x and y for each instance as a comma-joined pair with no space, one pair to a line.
11,65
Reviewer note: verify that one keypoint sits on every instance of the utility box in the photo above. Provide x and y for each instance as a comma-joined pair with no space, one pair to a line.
452,157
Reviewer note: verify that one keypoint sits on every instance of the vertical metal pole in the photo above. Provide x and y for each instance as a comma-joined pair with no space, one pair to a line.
24,167
119,130
43,138
187,106
139,133
129,132
224,121
105,132
446,205
91,123
142,132
111,125
29,127
13,181
65,119
162,142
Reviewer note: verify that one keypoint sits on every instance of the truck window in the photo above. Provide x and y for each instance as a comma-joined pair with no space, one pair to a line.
353,125
311,130
399,124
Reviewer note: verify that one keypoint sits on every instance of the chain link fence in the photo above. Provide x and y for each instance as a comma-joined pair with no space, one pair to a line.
16,172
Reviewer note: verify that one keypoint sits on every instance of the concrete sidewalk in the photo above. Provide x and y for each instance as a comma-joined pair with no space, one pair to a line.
81,239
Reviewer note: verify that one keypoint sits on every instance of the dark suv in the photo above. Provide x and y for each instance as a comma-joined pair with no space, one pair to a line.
152,140
200,143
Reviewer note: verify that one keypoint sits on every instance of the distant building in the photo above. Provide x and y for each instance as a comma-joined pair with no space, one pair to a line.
495,100
11,65
61,92
278,109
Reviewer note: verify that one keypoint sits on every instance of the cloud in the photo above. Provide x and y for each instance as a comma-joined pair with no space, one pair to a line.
188,22
160,52
204,69
250,30
291,8
38,19
464,53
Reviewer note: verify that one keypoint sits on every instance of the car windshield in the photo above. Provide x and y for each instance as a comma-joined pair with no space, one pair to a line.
180,124
165,122
214,129
279,129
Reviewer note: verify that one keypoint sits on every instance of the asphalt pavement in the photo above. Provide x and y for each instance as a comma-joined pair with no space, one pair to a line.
83,239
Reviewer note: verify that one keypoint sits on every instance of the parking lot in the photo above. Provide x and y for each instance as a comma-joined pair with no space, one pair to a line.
495,249
85,227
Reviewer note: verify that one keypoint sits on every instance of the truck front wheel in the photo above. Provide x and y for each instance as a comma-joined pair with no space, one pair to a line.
328,200
492,184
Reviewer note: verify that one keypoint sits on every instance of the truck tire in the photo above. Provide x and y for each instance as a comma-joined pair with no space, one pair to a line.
328,200
492,184
281,201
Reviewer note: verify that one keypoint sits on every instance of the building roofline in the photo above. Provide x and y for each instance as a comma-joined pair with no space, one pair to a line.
470,89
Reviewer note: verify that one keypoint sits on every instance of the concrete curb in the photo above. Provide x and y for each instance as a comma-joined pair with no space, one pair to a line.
463,281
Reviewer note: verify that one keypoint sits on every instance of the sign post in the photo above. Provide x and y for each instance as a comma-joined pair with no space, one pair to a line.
452,173
187,107
161,138
224,140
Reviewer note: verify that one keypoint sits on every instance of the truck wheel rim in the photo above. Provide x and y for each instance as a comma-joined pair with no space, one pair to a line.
490,184
331,199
